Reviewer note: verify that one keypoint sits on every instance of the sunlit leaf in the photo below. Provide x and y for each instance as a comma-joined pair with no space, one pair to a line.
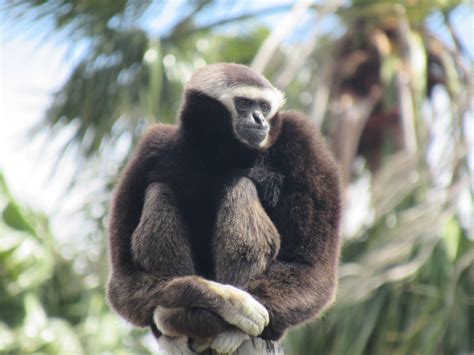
452,238
14,218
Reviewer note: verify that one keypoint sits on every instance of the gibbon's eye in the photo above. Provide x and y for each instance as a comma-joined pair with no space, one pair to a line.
243,103
265,106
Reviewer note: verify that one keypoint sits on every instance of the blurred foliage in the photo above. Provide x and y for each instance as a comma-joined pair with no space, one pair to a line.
47,306
407,279
85,18
381,85
406,286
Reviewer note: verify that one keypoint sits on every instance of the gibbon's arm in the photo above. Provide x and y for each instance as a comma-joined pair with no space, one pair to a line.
152,277
302,280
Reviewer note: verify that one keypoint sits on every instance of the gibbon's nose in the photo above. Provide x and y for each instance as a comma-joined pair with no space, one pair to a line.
259,119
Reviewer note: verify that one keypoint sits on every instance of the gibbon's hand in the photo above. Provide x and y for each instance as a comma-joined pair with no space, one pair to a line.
241,309
236,307
228,342
224,343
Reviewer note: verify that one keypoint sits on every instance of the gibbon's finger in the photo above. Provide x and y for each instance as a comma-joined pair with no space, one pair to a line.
199,345
245,324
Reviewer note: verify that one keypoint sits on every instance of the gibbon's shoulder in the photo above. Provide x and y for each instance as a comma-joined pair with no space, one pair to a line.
303,146
157,140
301,133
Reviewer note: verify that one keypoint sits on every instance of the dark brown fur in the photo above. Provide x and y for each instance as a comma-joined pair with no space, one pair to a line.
245,239
195,204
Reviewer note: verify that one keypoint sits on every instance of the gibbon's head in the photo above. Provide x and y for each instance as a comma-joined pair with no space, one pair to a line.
250,99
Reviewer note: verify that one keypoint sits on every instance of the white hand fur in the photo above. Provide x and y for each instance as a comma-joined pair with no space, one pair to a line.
241,309
228,342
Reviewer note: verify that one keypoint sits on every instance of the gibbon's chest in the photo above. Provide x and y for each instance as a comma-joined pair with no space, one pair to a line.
200,199
197,197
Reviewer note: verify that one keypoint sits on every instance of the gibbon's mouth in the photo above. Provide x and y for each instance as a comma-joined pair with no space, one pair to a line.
253,135
253,127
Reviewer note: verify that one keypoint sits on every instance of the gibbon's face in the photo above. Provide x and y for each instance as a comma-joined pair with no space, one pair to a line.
250,123
251,110
250,99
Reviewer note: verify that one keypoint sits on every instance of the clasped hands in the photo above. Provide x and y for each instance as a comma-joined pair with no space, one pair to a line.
237,307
